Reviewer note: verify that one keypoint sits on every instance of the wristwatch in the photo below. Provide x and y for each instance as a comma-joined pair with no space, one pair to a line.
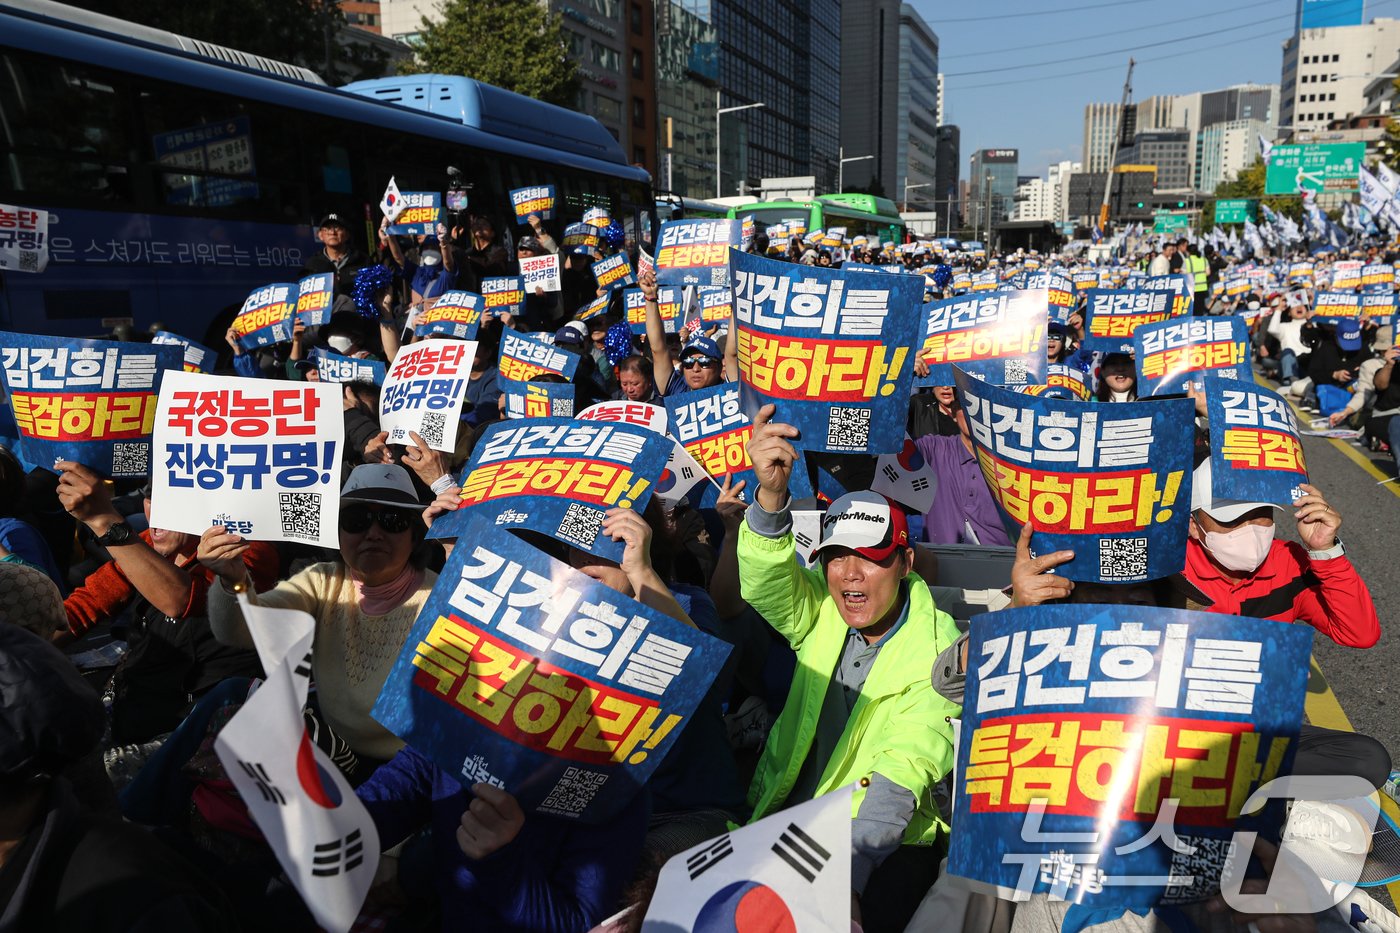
117,533
1336,550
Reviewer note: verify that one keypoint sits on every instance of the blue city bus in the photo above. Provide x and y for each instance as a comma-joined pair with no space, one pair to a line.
178,181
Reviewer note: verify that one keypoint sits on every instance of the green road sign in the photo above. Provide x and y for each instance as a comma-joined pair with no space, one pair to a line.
1170,222
1234,212
1316,167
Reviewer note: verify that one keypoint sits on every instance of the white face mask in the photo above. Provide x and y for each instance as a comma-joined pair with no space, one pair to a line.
340,344
430,259
1242,549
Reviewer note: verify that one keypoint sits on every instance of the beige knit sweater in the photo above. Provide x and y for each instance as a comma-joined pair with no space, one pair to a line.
352,653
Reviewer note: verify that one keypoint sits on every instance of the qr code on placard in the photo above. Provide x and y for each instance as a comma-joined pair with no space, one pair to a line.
573,792
1016,374
431,428
28,260
581,524
1198,874
130,459
301,514
561,408
848,428
1123,558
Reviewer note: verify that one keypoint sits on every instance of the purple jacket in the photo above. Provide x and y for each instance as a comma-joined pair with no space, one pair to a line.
962,497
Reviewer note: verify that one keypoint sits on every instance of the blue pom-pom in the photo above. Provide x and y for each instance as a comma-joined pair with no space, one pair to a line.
369,282
618,343
614,236
941,275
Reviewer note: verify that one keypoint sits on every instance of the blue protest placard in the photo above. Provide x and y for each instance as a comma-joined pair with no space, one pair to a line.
1336,306
580,238
1171,354
614,272
1255,451
695,252
332,367
1062,298
1063,382
453,314
670,302
1110,482
985,281
523,356
527,674
1111,316
1378,307
1300,273
712,427
90,401
1378,275
1178,282
1125,728
419,215
315,295
997,337
716,306
595,308
559,477
266,316
537,199
537,399
198,358
832,349
503,294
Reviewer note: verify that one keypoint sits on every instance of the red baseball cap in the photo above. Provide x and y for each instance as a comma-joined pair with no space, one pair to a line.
866,522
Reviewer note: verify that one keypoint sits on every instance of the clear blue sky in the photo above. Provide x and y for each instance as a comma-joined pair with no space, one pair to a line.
1039,108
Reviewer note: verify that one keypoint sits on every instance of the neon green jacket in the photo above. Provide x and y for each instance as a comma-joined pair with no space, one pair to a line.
899,725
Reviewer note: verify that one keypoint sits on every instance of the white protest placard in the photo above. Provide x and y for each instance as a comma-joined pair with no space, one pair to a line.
319,830
791,869
261,458
540,272
423,392
682,472
24,239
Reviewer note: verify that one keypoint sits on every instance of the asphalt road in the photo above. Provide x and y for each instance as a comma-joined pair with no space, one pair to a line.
1366,681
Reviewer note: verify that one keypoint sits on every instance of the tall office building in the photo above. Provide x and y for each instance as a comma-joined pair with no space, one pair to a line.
946,175
786,55
992,179
889,105
1326,68
1100,128
687,71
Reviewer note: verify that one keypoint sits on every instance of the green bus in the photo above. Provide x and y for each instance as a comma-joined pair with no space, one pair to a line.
860,214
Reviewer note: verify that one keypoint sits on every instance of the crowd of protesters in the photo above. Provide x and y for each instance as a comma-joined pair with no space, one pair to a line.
116,815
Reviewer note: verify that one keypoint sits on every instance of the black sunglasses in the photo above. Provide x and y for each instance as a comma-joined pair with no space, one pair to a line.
697,363
356,521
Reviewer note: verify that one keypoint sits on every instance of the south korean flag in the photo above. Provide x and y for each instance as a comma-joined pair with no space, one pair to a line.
392,204
320,832
788,871
906,478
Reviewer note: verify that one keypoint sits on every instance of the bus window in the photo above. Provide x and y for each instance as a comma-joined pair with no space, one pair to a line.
67,130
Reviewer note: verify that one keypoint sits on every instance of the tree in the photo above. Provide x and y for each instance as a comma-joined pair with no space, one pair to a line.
298,31
1390,142
514,44
1249,183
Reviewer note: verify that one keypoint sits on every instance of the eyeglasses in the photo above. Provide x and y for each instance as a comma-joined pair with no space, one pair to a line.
356,521
697,364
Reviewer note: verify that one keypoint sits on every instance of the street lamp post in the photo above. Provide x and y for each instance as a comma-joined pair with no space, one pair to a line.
908,188
841,166
719,112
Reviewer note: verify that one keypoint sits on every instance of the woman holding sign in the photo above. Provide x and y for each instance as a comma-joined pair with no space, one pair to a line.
364,603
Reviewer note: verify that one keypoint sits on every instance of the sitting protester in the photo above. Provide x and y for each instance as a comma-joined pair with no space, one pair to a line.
861,705
174,656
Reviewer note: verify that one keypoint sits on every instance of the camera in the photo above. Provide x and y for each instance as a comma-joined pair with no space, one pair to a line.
457,199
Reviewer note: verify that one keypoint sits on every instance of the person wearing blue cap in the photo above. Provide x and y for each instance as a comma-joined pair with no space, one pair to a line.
701,360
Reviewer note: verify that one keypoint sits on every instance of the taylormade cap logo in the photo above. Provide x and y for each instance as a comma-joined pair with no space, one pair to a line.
865,522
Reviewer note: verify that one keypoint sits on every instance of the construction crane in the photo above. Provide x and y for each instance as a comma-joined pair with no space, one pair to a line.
1117,138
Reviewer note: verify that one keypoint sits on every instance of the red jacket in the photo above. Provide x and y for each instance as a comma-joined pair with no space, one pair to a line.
107,591
1289,586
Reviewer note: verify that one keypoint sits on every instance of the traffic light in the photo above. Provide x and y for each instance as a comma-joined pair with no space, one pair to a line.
1140,205
1180,203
